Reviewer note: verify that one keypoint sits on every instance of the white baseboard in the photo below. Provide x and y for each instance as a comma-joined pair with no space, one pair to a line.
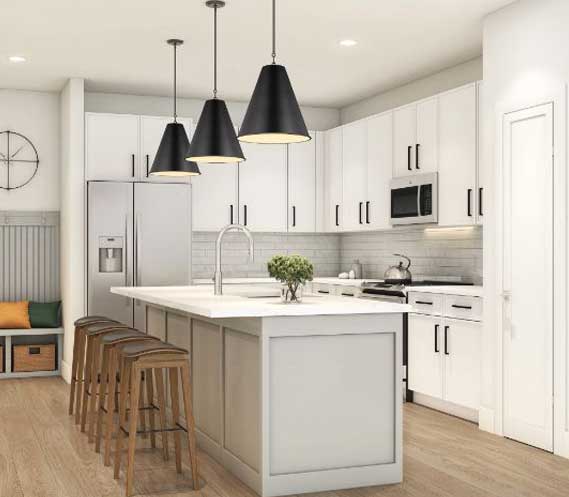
447,407
486,419
66,371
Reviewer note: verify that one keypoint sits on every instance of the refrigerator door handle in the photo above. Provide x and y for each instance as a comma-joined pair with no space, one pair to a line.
125,256
137,271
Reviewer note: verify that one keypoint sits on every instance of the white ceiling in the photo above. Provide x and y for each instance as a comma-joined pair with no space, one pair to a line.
118,45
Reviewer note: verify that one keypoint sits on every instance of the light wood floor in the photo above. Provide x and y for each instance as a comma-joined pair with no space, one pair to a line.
42,454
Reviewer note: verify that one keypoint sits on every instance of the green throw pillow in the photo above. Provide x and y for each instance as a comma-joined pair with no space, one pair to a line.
45,315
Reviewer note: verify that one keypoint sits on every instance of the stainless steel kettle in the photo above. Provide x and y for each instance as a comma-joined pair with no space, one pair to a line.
399,273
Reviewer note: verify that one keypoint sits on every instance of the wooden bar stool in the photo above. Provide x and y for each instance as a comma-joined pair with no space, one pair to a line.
91,337
108,386
78,361
153,357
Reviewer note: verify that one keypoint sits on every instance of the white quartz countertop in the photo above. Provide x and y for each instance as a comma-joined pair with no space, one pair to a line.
253,302
466,290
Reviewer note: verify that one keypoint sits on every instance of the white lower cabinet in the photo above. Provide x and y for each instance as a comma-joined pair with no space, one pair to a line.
444,359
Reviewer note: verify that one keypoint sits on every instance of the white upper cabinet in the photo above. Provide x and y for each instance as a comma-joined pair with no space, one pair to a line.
379,171
354,174
481,172
302,186
262,188
151,131
122,147
214,197
458,157
404,133
111,147
415,139
333,180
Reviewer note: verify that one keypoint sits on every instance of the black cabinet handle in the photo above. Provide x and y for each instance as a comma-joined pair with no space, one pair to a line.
337,215
360,212
409,148
147,165
480,195
367,212
437,339
417,155
469,201
423,302
323,291
231,214
446,340
132,166
294,215
245,215
468,307
348,294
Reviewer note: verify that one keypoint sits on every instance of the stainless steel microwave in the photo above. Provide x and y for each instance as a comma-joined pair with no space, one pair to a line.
414,199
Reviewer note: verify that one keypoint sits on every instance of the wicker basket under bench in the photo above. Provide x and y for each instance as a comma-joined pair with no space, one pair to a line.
32,352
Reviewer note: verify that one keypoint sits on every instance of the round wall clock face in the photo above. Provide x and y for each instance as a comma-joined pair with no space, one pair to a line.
19,160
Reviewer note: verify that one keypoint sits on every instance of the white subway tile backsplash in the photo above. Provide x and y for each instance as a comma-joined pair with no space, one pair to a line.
433,253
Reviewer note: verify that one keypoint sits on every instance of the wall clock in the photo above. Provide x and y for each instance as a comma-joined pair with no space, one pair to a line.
19,160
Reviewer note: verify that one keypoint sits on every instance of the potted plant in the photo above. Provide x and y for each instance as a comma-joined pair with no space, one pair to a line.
293,271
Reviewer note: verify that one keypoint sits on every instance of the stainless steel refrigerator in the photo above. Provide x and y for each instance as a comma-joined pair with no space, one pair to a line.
139,234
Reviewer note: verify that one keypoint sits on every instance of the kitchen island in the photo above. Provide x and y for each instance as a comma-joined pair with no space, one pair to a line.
291,398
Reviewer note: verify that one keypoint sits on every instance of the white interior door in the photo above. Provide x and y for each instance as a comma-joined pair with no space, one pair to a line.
528,276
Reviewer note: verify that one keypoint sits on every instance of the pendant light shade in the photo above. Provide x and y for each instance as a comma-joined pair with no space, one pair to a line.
273,114
214,139
170,159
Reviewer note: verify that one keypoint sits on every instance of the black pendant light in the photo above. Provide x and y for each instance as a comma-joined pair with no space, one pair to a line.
215,139
273,115
170,159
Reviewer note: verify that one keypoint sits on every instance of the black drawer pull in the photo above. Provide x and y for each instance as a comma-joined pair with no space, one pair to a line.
437,338
469,202
337,215
34,351
348,294
231,214
245,215
417,156
360,212
367,212
409,148
467,307
480,194
423,302
446,340
323,291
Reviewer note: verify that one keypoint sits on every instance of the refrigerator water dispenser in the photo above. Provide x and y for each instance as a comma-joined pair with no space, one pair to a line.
111,254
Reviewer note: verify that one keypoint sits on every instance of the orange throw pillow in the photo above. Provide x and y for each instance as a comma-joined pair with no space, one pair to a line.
14,315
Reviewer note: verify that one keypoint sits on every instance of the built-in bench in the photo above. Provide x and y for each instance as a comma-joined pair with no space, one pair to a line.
29,270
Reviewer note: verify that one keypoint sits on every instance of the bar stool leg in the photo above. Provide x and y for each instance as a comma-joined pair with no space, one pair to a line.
141,405
80,375
94,387
111,403
162,410
86,383
74,370
135,383
105,379
124,374
190,423
150,400
174,395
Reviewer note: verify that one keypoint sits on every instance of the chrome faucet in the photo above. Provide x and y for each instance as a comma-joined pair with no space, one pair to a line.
218,276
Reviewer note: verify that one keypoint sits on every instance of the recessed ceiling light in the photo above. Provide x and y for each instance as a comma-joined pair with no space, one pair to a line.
348,43
16,59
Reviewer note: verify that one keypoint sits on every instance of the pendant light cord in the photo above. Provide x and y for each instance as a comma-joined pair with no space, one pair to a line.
274,54
175,85
215,52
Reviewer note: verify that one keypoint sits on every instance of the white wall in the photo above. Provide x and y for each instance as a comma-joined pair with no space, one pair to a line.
444,80
35,115
317,118
526,63
72,214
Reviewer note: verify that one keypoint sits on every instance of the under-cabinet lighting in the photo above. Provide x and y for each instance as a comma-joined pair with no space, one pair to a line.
17,59
348,43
